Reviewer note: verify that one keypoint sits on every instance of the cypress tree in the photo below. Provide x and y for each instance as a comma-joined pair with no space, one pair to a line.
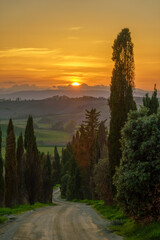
20,169
47,179
151,103
32,164
1,173
121,98
56,167
101,140
10,168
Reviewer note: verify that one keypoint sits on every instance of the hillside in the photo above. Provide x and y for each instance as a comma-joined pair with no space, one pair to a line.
51,116
51,106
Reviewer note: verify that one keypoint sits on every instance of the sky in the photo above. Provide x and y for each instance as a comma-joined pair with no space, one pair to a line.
46,43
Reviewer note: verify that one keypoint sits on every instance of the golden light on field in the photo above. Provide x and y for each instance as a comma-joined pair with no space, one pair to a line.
75,84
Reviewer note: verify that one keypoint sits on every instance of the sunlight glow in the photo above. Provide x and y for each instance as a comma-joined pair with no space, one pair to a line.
75,84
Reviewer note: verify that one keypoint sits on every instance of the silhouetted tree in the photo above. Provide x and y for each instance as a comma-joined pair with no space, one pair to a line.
1,173
121,98
32,164
56,167
151,103
85,152
10,168
20,169
47,179
71,180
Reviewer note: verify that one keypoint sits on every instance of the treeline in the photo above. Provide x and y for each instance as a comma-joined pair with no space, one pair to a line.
120,165
27,176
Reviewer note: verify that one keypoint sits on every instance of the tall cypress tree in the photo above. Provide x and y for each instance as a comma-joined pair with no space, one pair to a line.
47,179
10,168
121,98
20,169
1,173
32,164
56,167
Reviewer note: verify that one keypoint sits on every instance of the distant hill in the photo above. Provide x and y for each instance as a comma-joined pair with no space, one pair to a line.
69,91
58,106
51,115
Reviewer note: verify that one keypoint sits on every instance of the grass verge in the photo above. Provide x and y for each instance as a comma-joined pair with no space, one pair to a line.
56,186
3,219
20,209
127,228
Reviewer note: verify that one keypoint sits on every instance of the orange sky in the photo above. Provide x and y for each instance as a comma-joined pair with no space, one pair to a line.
56,42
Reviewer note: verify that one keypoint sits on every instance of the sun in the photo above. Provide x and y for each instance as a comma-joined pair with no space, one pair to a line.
75,84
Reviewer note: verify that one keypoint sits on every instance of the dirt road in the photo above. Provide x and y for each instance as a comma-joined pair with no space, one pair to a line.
65,221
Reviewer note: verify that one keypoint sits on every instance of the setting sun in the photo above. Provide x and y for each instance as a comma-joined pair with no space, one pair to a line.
75,84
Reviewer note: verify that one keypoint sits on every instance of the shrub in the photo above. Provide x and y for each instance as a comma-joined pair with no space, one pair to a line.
138,178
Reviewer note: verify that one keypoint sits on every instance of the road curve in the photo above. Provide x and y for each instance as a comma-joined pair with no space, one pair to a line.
65,221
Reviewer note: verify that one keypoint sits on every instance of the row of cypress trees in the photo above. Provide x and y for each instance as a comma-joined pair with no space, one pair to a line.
29,175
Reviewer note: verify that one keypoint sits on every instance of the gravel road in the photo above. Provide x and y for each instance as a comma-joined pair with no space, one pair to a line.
65,221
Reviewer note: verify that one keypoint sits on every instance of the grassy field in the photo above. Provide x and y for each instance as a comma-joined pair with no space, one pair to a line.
46,137
44,149
127,228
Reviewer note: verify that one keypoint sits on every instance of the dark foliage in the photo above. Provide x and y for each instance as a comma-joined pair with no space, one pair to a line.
47,179
10,168
32,164
151,103
71,180
56,167
20,170
121,97
138,180
1,173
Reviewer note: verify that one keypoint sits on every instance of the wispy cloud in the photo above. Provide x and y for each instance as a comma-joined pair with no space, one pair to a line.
27,52
76,28
35,70
80,64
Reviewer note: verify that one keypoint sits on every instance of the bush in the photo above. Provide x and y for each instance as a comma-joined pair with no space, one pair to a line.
64,181
102,180
138,178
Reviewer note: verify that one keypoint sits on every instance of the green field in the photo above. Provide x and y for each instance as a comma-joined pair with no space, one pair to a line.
46,137
50,150
44,149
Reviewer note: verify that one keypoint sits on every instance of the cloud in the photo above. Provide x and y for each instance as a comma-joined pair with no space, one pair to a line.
27,52
84,86
102,42
76,28
35,70
23,87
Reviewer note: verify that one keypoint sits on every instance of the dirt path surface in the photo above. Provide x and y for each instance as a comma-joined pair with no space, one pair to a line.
65,221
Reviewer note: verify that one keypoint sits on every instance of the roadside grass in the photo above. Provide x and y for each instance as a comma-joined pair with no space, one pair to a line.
56,186
125,227
3,219
22,208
